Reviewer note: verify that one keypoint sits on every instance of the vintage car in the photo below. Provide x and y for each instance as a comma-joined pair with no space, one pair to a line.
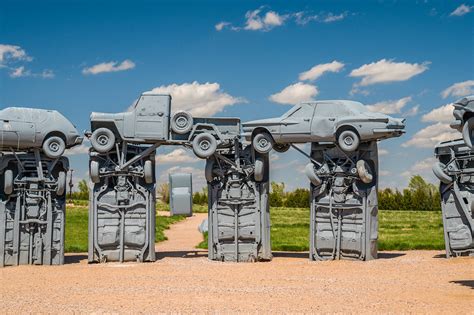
30,128
150,121
345,122
464,118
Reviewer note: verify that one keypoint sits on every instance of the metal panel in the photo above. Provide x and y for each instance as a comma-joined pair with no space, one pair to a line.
122,206
344,210
32,216
181,194
239,216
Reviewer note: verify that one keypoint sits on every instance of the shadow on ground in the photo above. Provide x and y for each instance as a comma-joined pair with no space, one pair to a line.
74,258
181,254
385,255
466,283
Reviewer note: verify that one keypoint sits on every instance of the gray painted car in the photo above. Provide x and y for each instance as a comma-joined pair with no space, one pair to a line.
464,118
345,122
30,128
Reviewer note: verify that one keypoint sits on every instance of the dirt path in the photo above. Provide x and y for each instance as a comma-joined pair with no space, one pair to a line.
183,280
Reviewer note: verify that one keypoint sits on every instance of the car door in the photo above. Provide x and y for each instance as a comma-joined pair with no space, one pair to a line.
324,120
16,129
152,115
296,127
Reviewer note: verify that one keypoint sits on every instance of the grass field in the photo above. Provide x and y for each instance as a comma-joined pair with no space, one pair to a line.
398,230
76,228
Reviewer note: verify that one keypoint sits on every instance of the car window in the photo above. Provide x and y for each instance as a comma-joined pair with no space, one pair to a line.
305,111
331,110
291,111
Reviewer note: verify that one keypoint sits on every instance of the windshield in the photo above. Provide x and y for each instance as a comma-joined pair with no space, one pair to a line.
291,111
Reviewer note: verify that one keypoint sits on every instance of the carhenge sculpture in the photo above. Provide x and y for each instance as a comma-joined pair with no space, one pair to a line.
122,171
343,170
455,170
33,185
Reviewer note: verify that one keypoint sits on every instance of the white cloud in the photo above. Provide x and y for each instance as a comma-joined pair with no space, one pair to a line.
112,66
412,111
199,99
295,93
221,25
331,17
78,150
430,136
390,107
19,72
383,152
318,70
12,53
459,89
441,114
420,168
461,10
176,156
384,71
257,22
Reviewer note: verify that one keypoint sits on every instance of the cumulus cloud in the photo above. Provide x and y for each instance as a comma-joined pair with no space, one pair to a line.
384,71
295,93
199,99
430,136
11,59
10,53
21,71
459,89
78,150
461,10
112,66
422,167
176,156
390,107
221,25
318,70
441,114
383,152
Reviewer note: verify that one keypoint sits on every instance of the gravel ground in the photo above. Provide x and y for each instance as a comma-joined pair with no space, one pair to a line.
184,281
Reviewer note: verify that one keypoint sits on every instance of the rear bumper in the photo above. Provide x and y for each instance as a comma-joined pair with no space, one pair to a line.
388,132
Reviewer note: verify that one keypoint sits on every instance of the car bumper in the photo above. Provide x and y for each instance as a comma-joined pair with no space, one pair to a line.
457,124
388,132
78,140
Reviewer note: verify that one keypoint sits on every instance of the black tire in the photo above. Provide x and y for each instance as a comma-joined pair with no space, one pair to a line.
53,147
8,182
467,131
311,174
94,172
364,172
348,140
148,171
61,184
438,170
263,142
181,122
281,147
204,145
259,172
102,140
209,170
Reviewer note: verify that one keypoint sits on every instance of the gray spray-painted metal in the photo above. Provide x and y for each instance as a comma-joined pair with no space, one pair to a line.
464,118
32,216
456,163
28,128
181,194
344,209
122,206
325,121
239,214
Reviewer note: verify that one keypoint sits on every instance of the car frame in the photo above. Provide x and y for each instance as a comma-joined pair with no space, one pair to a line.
346,123
32,128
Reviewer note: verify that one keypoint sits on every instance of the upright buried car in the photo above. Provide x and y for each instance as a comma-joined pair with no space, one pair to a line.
29,128
464,118
345,122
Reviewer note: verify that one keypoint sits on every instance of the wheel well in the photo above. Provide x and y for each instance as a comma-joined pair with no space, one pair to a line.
55,134
467,115
108,125
344,128
260,130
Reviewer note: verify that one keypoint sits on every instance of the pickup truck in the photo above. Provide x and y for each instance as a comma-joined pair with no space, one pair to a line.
150,121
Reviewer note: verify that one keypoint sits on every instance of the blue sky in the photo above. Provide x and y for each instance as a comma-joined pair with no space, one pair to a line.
245,58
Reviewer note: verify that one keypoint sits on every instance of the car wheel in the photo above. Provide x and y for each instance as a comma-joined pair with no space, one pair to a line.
348,140
311,174
259,172
54,147
262,142
209,170
61,184
281,147
204,145
103,140
182,122
148,171
467,131
364,172
8,182
440,173
94,172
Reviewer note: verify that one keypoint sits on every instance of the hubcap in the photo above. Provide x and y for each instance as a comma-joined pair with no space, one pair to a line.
263,143
181,122
348,140
54,146
204,145
102,139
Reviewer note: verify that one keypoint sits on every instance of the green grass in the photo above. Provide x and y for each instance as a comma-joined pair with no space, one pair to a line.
398,230
77,228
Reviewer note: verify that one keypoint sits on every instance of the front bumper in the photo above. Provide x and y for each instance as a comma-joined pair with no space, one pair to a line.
388,132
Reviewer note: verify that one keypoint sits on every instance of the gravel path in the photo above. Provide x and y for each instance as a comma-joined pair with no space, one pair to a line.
183,280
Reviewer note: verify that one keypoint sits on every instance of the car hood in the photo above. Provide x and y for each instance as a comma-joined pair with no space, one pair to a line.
95,116
262,122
